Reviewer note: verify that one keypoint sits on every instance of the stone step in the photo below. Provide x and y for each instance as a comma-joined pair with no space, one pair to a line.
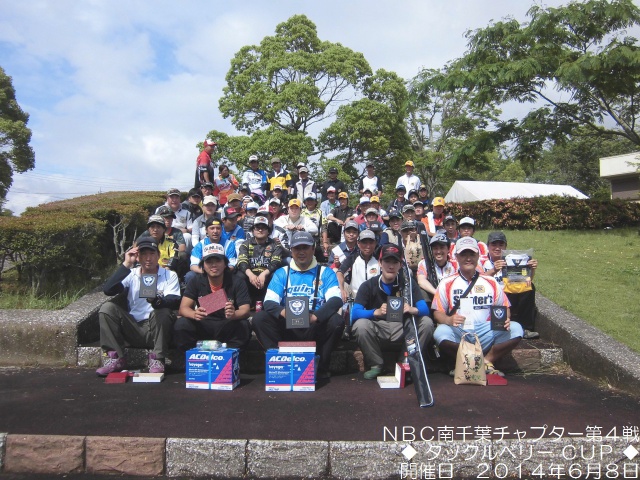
346,358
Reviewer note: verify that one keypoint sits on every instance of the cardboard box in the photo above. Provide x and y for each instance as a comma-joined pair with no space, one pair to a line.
396,381
290,372
212,369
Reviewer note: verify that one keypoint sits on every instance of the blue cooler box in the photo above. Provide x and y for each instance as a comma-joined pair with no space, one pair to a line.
290,372
212,369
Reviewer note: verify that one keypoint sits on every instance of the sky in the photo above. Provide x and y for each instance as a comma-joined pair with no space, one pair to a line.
120,93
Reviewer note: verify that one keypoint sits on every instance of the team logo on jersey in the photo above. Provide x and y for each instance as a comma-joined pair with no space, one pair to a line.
395,303
479,289
297,306
373,271
148,280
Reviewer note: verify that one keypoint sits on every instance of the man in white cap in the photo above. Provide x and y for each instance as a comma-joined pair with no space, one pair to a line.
204,165
463,302
147,322
304,186
255,179
227,324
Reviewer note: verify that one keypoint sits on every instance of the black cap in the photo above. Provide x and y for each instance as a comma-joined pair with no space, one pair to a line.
333,170
147,242
497,237
390,251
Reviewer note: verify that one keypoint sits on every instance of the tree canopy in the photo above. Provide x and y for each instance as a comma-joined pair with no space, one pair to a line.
16,155
576,62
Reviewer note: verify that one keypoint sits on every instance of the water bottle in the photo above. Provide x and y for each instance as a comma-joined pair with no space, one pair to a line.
210,345
406,368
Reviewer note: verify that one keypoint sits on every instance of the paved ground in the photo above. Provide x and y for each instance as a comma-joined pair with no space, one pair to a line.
75,402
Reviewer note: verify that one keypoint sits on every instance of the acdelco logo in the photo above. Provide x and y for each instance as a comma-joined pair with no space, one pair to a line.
198,356
285,358
217,357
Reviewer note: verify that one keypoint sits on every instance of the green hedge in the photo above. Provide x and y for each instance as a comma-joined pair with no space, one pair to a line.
548,213
64,242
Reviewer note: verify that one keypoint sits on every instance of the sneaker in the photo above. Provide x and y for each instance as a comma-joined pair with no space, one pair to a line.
530,335
156,365
111,363
373,373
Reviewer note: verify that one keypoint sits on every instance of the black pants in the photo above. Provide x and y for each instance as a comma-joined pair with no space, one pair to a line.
270,330
523,308
235,333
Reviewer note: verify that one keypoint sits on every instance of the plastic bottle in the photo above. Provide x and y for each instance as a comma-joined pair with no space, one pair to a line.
406,368
210,345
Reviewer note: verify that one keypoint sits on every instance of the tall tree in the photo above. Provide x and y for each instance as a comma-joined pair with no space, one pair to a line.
452,137
16,155
575,62
287,84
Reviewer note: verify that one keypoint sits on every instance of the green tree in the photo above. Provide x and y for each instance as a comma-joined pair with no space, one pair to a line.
278,90
15,153
576,63
371,128
452,137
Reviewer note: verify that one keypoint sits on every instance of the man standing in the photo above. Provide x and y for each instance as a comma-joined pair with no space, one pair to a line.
181,218
435,218
204,165
333,181
482,293
371,325
148,321
304,186
227,324
409,180
256,180
278,177
370,181
302,278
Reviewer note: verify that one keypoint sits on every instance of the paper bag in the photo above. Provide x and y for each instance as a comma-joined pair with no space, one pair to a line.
470,362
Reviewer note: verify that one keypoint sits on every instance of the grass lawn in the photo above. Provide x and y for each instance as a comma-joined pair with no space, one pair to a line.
593,274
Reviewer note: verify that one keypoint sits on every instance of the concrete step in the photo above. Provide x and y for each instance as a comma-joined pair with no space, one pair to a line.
531,355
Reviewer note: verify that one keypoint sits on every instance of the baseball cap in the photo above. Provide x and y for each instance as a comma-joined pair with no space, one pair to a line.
234,196
375,198
408,225
343,195
296,202
390,251
275,200
401,187
212,221
311,196
247,198
351,224
173,191
366,235
364,200
213,250
450,218
260,221
394,214
252,206
467,243
264,210
408,207
231,212
209,199
301,238
408,163
333,170
497,237
438,202
371,210
275,160
412,192
331,189
253,158
369,164
165,211
155,219
467,221
418,202
300,164
439,238
206,185
147,242
209,143
423,187
195,192
245,188
303,169
277,187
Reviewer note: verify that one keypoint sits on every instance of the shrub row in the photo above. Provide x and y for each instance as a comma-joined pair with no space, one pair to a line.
548,213
68,241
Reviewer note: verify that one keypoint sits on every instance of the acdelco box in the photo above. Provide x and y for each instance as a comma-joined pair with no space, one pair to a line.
212,369
286,372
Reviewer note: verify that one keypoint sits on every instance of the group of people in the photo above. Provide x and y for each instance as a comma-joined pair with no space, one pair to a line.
273,236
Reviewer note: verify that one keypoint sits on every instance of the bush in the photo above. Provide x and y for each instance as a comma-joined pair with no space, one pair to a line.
71,240
548,213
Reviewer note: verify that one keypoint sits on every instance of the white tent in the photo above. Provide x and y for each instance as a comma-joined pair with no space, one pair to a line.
468,191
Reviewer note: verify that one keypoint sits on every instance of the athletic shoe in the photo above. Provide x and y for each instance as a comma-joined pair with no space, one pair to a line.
156,365
111,363
373,373
530,335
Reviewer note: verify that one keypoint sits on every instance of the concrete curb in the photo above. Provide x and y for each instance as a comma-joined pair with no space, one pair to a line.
490,458
586,349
